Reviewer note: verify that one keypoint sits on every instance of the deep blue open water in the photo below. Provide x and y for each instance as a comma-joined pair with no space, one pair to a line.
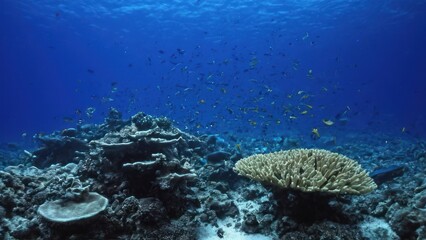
218,66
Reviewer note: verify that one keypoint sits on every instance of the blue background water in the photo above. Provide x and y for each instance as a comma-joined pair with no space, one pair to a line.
215,66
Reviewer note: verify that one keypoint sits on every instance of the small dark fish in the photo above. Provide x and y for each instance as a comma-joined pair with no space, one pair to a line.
217,157
181,86
91,71
68,119
161,51
130,65
180,51
12,146
386,174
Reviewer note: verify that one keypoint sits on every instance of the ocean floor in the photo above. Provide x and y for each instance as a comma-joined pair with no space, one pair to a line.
143,178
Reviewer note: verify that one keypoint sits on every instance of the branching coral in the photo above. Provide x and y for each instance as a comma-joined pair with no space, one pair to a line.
307,170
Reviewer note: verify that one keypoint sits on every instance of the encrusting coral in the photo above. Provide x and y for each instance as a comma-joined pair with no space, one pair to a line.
307,170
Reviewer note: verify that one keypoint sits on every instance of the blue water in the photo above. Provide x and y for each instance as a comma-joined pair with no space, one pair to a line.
245,67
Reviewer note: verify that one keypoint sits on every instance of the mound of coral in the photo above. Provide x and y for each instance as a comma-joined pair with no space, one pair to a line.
308,170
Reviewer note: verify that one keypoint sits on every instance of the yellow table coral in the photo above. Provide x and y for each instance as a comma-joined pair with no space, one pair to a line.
307,170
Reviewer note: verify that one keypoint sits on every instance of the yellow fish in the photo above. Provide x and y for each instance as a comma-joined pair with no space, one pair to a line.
309,106
304,96
253,123
315,133
253,62
327,122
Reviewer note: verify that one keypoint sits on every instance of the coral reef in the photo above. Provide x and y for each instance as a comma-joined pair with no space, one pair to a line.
143,178
307,170
144,164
